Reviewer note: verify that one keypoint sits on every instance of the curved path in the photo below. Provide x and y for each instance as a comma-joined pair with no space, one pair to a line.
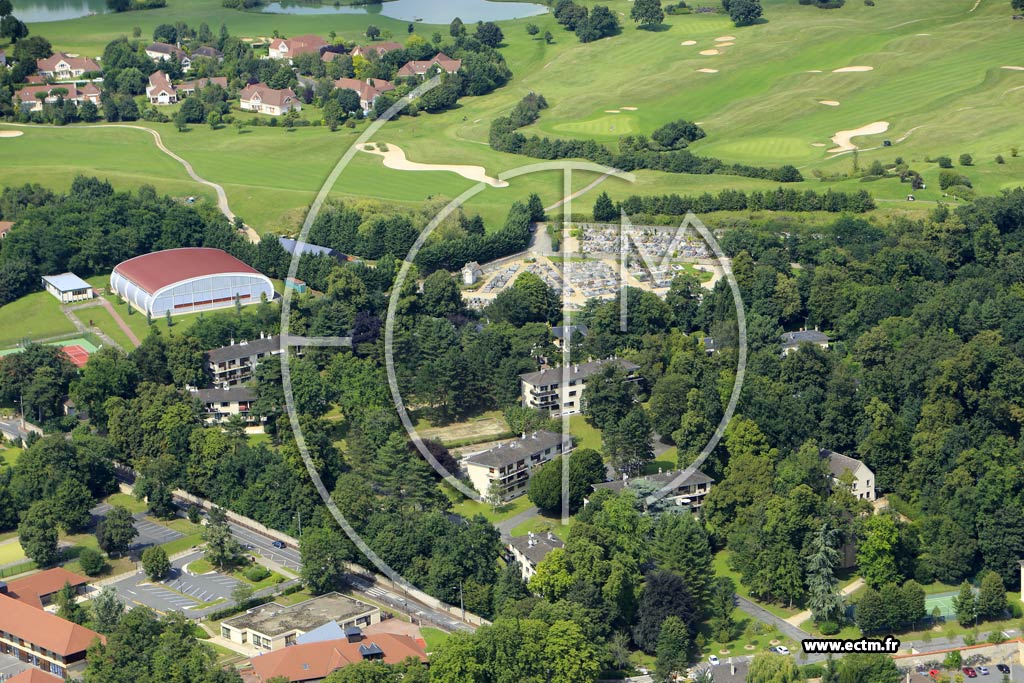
222,197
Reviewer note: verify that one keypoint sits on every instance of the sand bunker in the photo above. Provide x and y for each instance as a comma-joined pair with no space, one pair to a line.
829,103
612,111
843,138
814,71
395,158
10,133
852,69
688,42
817,144
628,108
724,44
1014,68
708,53
721,38
708,71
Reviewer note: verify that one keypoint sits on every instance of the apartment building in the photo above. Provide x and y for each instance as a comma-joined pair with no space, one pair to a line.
560,390
510,464
236,363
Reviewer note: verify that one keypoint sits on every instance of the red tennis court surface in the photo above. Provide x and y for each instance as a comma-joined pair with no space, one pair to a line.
77,354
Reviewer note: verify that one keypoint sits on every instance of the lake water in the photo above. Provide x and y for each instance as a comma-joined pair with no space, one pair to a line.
56,10
429,11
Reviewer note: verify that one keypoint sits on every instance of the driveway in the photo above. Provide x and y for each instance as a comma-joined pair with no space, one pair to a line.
181,592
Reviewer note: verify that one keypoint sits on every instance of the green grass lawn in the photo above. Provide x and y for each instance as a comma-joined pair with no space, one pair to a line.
587,436
9,455
125,500
470,508
542,524
102,319
35,316
435,637
10,552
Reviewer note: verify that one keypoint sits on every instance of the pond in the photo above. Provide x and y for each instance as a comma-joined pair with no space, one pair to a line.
429,11
31,11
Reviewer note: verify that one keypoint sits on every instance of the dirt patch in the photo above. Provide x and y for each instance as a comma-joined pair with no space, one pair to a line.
829,103
394,158
464,431
688,43
708,53
852,69
721,38
10,133
708,71
843,139
1013,68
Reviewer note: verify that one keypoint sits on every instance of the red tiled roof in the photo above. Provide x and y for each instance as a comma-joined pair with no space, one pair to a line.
365,89
35,79
28,93
5,227
299,44
201,83
159,82
154,271
49,63
313,661
34,675
420,67
31,589
276,98
44,629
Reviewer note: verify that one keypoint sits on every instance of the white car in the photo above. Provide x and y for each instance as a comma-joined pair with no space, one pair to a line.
713,660
780,649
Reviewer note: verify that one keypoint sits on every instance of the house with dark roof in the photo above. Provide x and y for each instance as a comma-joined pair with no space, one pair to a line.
236,363
221,403
438,64
506,468
560,390
208,52
291,246
261,98
791,341
186,88
161,52
303,663
687,490
530,550
839,465
42,639
560,333
62,67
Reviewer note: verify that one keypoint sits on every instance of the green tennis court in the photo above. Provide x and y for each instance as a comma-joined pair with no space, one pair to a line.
944,601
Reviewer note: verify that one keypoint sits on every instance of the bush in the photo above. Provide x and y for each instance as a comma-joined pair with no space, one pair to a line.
257,573
92,561
1000,159
944,162
812,670
828,628
996,637
966,160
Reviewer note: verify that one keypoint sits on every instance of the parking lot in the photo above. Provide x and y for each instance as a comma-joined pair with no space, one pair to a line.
150,532
180,592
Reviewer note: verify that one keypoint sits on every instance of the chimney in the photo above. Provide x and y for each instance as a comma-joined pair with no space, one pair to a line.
3,588
523,435
232,342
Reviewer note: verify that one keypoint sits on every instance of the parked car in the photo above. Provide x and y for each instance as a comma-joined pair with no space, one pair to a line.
278,544
782,649
970,672
1002,668
934,674
713,660
983,670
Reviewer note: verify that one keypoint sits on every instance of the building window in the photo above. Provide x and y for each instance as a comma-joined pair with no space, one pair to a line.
225,632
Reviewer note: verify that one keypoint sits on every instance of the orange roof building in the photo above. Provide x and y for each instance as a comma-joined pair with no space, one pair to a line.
43,639
37,590
315,661
34,676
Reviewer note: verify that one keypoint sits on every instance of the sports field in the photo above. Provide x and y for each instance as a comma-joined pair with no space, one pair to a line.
35,316
944,601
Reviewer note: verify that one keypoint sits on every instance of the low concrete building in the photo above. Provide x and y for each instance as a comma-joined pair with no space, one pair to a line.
274,626
530,550
471,272
68,287
863,485
511,464
560,390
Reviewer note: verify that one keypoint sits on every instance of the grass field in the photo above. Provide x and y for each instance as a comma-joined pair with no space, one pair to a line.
470,508
9,455
435,637
11,552
36,316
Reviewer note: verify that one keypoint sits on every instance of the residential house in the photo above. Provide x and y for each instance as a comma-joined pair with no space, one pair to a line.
236,363
37,590
471,272
560,390
710,345
35,79
34,676
511,464
42,639
63,67
219,404
260,97
29,100
290,48
863,486
690,491
274,627
208,52
68,287
160,90
161,52
5,227
379,49
367,90
791,341
572,331
528,551
328,56
187,88
440,62
307,662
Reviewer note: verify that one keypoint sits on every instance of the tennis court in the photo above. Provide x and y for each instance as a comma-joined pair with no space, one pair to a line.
944,601
77,354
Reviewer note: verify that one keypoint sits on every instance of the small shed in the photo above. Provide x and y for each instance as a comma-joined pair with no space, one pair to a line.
67,287
296,284
471,272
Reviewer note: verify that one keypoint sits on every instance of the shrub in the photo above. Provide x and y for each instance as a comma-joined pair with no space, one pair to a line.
828,628
944,162
1000,159
966,160
996,637
91,561
257,573
812,670
948,179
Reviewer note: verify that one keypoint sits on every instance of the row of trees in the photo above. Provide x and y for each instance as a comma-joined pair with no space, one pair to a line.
780,199
589,24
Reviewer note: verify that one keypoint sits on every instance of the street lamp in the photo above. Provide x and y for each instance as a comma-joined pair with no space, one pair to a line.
462,602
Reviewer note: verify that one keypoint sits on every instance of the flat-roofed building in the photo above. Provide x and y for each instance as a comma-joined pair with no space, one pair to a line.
67,287
530,550
689,492
274,626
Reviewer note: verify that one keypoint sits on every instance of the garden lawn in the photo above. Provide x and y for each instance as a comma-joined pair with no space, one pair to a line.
587,435
11,551
9,455
132,503
34,316
721,567
435,637
470,508
102,319
543,524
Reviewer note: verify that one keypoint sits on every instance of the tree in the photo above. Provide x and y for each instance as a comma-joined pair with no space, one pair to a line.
871,612
372,32
545,488
966,605
456,29
71,503
647,12
116,531
91,561
324,556
441,297
771,668
672,650
744,12
823,598
664,595
488,33
37,533
222,550
548,38
681,546
992,602
536,208
107,609
569,656
242,593
868,668
155,563
604,209
627,443
68,606
532,29
966,160
876,553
